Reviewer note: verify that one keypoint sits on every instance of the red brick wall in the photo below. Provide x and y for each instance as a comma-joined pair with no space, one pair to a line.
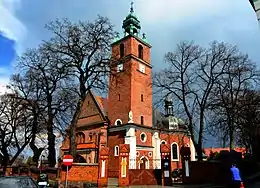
130,84
85,173
148,141
114,139
131,47
181,140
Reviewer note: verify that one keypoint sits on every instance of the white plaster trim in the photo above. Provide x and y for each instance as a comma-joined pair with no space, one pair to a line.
144,149
103,168
163,141
145,138
116,148
178,155
146,164
118,120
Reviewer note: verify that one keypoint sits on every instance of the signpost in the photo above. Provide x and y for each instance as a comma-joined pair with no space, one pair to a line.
67,161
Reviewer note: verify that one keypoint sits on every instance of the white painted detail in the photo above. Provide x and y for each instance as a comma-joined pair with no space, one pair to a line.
130,117
103,168
42,183
67,160
130,139
156,142
142,68
120,68
192,151
187,171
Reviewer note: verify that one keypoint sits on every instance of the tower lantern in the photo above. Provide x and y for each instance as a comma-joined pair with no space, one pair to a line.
131,24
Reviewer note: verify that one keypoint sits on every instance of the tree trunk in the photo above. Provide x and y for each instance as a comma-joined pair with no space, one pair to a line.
36,151
73,125
51,143
51,136
5,159
200,139
231,137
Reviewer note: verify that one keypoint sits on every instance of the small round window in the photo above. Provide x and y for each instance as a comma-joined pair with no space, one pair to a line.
137,154
150,154
143,137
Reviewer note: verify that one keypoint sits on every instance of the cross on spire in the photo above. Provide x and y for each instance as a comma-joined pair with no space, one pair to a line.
132,7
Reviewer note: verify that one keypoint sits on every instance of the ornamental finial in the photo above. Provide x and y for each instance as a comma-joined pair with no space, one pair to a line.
132,7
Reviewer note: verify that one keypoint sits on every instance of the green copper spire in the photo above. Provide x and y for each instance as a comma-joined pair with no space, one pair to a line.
131,24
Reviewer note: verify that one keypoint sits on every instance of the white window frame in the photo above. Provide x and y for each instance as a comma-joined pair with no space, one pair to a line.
142,68
116,151
117,121
120,67
145,138
163,141
178,152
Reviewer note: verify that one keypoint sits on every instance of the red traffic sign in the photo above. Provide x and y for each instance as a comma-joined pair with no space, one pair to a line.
67,160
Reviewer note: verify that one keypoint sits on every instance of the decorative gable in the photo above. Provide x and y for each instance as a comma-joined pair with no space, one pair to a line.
93,110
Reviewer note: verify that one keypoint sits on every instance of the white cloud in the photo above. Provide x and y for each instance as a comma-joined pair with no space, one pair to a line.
10,25
3,82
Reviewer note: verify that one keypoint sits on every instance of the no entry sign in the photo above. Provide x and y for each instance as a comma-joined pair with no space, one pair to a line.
67,160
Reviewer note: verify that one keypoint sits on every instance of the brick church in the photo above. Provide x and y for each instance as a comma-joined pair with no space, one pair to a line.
127,115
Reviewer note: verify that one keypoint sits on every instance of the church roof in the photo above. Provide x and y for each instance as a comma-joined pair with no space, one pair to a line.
102,103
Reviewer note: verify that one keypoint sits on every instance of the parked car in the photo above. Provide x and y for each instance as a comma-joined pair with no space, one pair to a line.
17,182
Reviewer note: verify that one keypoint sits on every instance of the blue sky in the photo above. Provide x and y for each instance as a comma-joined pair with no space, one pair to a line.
165,22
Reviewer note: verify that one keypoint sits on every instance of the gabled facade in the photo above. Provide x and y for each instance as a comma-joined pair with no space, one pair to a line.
127,115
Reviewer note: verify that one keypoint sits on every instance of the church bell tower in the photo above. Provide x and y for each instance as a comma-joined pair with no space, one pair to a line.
130,87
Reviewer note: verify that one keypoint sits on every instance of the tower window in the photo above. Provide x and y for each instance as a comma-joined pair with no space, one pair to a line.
140,51
122,50
118,97
142,120
120,68
142,98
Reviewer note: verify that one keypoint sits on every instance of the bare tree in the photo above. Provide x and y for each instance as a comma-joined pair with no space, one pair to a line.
191,76
248,122
84,48
47,85
15,128
240,75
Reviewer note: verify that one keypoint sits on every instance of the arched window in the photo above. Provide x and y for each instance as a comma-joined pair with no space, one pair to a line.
80,137
118,122
140,51
175,151
116,151
122,50
163,142
90,137
142,120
